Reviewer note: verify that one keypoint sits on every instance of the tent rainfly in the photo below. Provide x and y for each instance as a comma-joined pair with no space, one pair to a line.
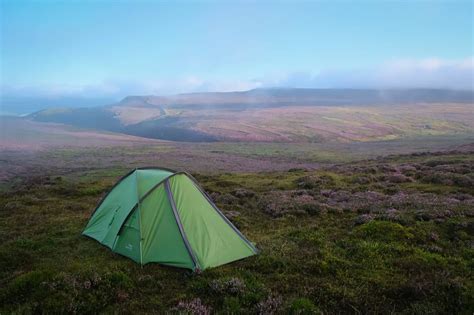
163,216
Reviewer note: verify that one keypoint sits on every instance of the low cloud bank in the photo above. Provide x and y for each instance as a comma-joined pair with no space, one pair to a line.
398,73
401,73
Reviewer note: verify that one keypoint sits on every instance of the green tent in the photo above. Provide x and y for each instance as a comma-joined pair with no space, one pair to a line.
159,215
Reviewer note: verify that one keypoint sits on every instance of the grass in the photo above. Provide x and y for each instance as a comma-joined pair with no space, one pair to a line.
337,152
379,236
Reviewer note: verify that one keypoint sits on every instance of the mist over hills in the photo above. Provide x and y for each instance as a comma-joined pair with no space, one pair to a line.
24,105
277,114
271,97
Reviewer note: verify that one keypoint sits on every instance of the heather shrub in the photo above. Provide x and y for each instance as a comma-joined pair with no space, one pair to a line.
398,178
12,205
243,193
363,218
314,208
226,199
14,257
392,215
302,306
463,180
149,283
232,305
296,170
270,305
192,307
296,202
435,178
315,181
386,168
383,231
232,215
232,286
428,215
26,286
407,169
446,178
363,179
66,292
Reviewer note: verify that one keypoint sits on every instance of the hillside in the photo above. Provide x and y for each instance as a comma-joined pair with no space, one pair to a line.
280,115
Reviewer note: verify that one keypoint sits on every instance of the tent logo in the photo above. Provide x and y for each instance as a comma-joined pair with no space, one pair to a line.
129,247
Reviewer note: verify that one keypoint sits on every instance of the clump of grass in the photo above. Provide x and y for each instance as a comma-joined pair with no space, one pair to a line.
303,306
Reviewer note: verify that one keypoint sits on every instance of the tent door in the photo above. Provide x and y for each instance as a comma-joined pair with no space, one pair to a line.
128,239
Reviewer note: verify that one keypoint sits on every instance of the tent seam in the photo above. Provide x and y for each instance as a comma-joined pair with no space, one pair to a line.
197,267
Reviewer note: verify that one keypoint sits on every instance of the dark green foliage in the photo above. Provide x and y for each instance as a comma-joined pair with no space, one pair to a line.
303,306
383,231
315,181
67,293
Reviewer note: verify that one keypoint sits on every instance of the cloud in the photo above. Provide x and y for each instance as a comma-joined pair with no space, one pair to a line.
397,73
432,72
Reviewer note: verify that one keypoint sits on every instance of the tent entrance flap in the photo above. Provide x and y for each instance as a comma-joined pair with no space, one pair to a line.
128,238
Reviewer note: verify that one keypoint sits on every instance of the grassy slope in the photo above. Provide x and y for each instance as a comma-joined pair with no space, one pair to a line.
337,152
92,153
380,236
21,134
334,123
296,123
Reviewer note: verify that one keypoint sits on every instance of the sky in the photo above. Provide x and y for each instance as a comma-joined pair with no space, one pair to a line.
110,49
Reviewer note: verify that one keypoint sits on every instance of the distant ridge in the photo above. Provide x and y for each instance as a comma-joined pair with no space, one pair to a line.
212,116
271,97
